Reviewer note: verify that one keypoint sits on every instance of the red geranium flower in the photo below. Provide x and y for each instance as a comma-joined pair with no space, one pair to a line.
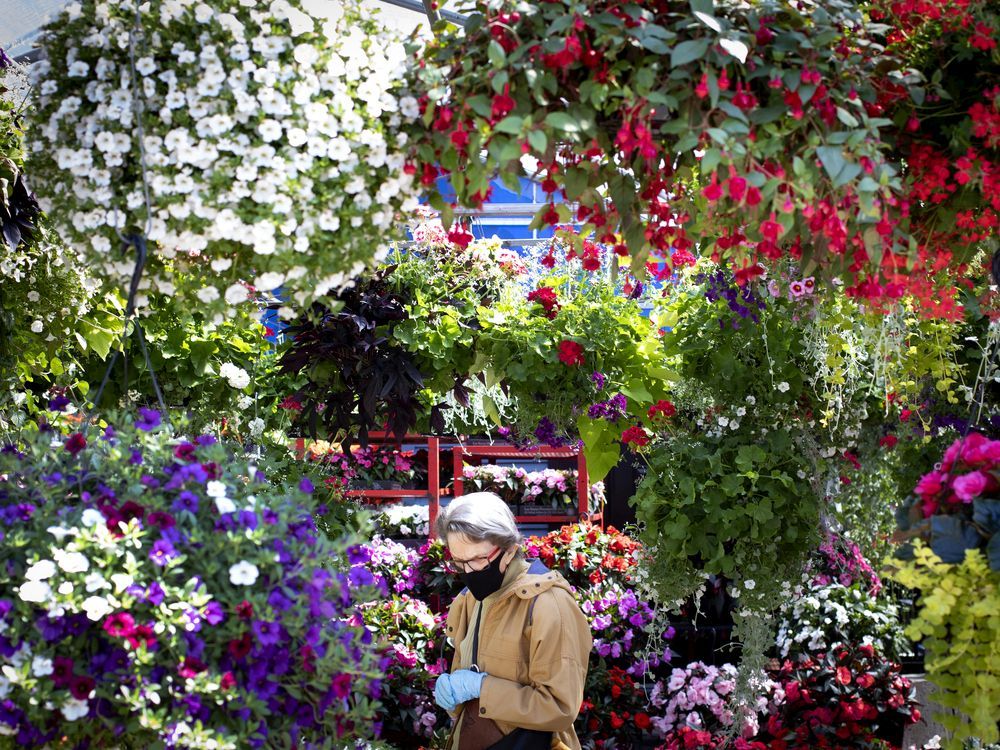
546,297
635,435
570,353
662,408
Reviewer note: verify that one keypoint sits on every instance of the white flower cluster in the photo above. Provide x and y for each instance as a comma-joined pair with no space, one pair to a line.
403,521
827,615
274,143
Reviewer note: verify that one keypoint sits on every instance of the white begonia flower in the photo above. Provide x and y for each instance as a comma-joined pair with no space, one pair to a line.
224,505
96,607
243,573
72,562
783,386
74,709
37,327
92,517
40,571
41,666
35,591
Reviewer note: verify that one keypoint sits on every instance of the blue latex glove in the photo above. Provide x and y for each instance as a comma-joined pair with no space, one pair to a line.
458,687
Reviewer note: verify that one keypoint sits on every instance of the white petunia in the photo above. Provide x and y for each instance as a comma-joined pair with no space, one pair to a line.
65,588
41,666
95,582
235,294
92,517
35,591
74,709
243,573
215,489
96,607
72,562
269,281
40,570
224,505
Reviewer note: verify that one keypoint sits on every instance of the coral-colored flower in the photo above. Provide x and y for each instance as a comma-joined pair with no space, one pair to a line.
570,353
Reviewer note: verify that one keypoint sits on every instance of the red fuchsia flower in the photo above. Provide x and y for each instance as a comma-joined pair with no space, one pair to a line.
982,38
661,408
444,118
748,273
771,230
503,105
712,191
549,261
571,52
701,90
119,625
682,258
75,443
459,236
635,435
570,353
736,186
551,216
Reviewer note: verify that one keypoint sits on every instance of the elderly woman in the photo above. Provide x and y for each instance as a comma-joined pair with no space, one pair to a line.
521,641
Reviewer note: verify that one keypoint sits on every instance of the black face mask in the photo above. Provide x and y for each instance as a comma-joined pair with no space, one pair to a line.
482,583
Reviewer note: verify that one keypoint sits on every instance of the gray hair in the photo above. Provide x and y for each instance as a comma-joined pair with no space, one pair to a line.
481,516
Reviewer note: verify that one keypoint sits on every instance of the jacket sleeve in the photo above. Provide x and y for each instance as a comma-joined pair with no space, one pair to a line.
557,669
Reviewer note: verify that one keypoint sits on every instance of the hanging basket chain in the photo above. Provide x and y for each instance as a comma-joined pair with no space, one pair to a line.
137,240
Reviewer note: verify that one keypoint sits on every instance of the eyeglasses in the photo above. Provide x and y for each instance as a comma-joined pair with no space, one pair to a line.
472,564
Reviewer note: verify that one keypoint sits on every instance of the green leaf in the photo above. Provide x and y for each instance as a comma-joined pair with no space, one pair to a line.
496,54
601,448
688,51
538,141
563,121
510,124
847,118
832,159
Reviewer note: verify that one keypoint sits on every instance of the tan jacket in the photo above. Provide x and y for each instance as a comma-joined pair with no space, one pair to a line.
534,644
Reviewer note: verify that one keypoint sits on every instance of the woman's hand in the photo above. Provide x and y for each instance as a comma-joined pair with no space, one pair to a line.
457,687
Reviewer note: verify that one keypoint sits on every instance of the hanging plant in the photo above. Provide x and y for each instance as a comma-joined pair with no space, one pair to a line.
749,127
248,144
359,379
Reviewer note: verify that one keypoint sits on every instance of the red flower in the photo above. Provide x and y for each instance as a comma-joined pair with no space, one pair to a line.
228,681
290,402
661,408
240,647
635,435
76,443
191,667
81,687
771,230
340,686
570,353
865,680
244,610
546,297
616,720
642,721
579,561
844,676
748,273
459,236
889,442
503,105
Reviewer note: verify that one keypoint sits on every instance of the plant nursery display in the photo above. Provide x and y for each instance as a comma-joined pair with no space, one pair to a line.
152,587
528,491
251,149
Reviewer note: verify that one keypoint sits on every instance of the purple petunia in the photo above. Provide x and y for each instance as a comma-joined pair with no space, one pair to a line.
598,380
58,403
267,632
214,614
162,552
186,501
306,486
149,419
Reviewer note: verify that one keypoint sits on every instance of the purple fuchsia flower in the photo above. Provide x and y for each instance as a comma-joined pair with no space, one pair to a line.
149,419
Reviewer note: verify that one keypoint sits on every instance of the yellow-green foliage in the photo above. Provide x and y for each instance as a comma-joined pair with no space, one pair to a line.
959,625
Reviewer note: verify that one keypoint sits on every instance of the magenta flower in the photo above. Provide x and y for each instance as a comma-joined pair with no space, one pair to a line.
969,486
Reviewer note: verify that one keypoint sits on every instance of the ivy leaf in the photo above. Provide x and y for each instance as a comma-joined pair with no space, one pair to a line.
688,51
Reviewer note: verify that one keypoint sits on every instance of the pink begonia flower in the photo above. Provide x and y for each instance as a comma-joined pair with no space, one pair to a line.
953,452
969,486
931,483
973,448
